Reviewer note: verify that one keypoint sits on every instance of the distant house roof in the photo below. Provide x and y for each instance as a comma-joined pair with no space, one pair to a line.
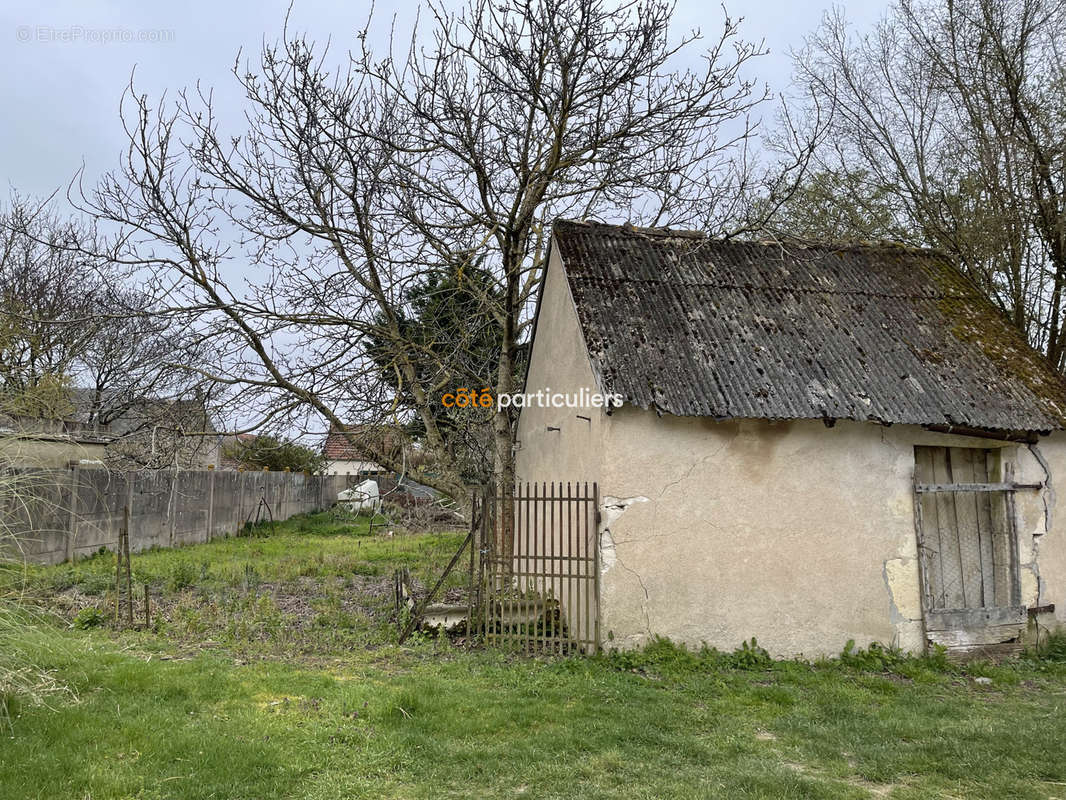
347,444
695,326
338,447
129,413
186,415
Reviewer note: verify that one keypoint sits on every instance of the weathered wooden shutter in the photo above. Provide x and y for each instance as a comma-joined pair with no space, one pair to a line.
968,550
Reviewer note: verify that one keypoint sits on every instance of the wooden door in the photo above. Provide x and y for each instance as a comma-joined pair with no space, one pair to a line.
968,549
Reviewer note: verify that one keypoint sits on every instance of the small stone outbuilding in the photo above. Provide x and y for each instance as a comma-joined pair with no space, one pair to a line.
815,444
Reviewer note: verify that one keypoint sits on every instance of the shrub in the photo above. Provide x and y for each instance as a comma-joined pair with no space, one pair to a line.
182,575
89,617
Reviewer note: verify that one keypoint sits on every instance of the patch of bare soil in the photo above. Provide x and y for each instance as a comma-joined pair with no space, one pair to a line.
359,594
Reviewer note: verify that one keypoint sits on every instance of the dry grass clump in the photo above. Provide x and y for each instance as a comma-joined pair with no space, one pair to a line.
23,683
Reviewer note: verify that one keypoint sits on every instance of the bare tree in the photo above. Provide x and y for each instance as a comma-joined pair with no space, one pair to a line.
296,243
134,354
46,290
955,110
76,339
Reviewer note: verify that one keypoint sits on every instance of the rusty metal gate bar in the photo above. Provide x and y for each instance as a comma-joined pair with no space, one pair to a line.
536,586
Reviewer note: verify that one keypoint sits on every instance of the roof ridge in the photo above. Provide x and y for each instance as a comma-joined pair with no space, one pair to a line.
637,230
786,241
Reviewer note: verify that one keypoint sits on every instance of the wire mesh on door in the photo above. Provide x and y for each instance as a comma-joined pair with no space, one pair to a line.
967,537
537,570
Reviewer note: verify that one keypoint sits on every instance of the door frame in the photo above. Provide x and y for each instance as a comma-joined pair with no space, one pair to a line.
972,631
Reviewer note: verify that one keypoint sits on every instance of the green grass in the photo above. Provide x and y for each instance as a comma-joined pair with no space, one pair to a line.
318,546
146,714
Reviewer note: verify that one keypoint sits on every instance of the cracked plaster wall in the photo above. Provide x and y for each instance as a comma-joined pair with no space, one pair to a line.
1043,557
800,535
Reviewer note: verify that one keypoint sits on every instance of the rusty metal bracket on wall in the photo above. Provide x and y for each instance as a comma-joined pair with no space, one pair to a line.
974,487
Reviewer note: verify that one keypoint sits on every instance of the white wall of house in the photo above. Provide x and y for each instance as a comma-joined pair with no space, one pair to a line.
351,467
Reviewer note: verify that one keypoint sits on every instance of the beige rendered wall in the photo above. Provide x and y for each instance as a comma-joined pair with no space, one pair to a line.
1046,557
559,362
48,452
800,535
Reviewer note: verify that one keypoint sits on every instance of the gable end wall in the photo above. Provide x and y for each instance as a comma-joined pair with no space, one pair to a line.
560,362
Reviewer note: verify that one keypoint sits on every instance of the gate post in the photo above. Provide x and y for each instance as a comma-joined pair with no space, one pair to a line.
475,543
487,554
596,560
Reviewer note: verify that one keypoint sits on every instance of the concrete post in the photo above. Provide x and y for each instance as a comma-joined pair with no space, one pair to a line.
241,482
131,479
72,523
210,503
172,509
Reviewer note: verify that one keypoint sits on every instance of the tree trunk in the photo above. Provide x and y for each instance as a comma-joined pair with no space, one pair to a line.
502,434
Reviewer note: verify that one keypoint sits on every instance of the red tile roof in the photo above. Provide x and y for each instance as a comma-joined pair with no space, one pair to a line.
338,447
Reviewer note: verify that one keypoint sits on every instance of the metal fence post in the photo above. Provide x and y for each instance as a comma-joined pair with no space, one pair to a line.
475,543
596,558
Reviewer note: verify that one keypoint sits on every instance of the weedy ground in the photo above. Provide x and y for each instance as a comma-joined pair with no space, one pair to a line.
318,584
271,670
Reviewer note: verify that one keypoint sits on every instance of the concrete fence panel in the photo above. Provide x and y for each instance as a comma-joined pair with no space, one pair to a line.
53,515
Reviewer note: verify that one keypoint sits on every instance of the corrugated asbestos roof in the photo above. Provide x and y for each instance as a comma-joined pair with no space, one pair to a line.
695,326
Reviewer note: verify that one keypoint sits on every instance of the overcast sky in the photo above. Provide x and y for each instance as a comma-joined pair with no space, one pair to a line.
65,64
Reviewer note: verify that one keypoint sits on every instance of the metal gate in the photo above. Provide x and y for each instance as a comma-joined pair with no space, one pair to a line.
537,572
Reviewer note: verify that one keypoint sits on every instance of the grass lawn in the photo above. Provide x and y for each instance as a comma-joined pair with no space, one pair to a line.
240,691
